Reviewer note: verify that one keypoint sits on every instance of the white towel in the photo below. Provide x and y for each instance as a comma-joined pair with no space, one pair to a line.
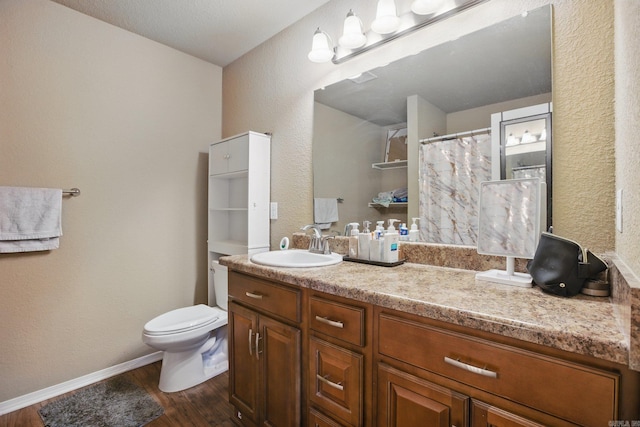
325,211
30,219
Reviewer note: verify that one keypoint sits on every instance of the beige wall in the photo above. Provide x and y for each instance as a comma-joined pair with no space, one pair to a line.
128,121
627,60
272,87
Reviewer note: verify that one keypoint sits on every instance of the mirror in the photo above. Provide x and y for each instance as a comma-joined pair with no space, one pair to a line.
461,83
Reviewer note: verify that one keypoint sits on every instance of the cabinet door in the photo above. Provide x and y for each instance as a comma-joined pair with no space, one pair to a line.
408,401
243,372
279,352
218,158
238,154
484,415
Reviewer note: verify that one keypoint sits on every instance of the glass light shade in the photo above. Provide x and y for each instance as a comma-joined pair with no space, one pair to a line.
512,140
387,20
352,34
425,7
321,47
528,137
543,135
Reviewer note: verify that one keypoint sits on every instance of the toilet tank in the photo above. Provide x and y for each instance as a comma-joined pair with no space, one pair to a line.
218,295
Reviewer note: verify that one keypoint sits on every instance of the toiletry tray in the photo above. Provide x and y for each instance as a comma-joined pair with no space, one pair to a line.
379,263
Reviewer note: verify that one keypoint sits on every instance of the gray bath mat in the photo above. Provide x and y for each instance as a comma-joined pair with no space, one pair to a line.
116,402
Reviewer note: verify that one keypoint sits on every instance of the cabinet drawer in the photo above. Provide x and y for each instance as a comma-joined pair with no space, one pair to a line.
281,301
341,321
317,419
577,393
336,381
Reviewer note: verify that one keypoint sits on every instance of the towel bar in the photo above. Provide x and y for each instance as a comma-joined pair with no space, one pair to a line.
74,192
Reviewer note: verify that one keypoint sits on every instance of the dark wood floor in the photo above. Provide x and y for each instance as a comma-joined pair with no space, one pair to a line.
206,404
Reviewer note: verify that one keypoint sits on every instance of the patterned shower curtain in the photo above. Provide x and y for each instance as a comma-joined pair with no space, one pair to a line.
450,175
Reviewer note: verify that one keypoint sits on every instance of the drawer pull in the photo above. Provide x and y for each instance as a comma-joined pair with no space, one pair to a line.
250,342
330,322
252,295
338,386
471,368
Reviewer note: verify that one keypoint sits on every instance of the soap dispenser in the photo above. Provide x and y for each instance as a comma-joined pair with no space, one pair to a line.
414,233
353,240
390,244
364,241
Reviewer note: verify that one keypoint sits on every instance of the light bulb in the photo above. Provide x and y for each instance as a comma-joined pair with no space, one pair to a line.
387,20
425,7
321,47
352,34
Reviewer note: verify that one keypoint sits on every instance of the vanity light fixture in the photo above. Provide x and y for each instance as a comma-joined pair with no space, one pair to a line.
321,47
387,20
387,26
352,34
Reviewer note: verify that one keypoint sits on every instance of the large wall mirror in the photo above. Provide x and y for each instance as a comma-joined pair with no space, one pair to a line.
452,88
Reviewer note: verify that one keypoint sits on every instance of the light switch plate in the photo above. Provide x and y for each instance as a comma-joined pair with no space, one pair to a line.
619,211
274,210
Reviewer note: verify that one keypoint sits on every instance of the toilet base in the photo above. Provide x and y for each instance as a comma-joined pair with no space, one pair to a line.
185,369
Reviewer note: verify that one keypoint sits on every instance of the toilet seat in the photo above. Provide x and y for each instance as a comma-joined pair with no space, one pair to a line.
183,320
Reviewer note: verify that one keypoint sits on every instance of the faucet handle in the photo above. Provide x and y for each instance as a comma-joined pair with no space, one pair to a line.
325,244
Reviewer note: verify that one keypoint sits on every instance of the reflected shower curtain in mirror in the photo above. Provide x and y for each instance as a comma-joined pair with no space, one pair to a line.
450,175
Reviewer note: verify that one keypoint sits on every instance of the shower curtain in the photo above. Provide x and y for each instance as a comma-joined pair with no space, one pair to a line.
450,175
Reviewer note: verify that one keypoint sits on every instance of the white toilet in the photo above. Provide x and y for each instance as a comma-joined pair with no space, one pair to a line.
194,341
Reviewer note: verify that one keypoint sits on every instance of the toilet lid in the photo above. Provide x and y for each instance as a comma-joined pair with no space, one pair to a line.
182,319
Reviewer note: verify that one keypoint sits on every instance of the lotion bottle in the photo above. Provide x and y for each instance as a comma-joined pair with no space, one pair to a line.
353,240
364,241
414,233
390,244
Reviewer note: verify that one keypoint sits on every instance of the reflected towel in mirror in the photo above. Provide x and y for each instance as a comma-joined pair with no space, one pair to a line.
325,211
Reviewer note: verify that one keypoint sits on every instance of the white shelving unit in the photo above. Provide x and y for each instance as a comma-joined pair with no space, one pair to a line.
398,164
390,165
239,188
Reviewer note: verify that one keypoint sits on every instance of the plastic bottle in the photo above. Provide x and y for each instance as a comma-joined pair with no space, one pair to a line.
390,244
364,241
353,240
414,233
404,233
375,246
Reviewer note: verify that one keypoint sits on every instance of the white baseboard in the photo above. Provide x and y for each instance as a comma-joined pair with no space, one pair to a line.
67,386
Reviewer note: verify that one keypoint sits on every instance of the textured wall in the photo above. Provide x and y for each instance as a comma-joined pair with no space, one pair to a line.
627,59
128,121
272,88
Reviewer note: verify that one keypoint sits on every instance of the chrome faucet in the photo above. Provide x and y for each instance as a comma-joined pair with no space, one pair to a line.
319,244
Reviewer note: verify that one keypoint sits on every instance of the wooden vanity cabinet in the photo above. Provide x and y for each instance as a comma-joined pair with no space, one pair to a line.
339,364
506,385
264,352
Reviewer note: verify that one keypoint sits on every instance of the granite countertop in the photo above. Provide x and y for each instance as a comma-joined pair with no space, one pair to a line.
583,325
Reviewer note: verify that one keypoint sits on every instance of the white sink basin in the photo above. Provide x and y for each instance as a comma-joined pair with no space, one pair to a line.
295,258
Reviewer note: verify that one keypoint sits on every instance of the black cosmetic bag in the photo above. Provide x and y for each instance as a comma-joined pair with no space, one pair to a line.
561,266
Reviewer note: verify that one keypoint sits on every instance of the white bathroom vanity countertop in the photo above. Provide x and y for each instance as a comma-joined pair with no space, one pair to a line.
581,324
